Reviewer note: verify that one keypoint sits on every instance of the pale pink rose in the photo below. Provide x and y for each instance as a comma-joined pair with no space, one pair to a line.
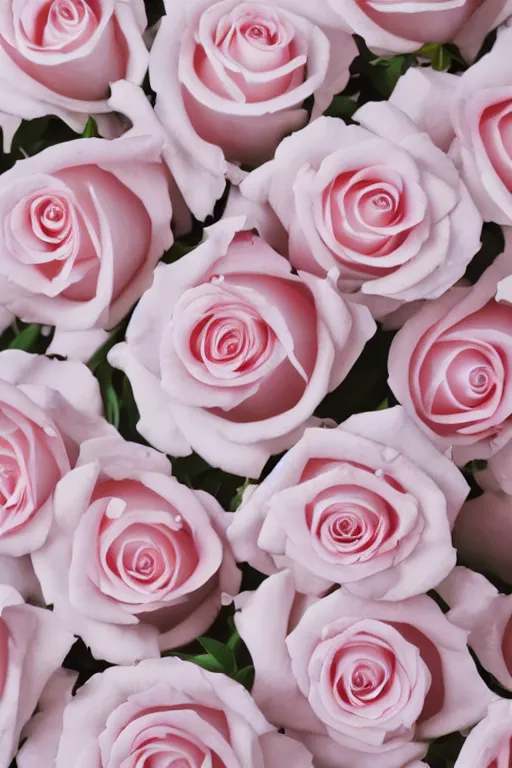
360,683
450,366
160,712
231,79
83,226
368,505
483,534
33,645
229,352
47,408
398,26
481,114
489,745
58,57
476,606
134,562
379,202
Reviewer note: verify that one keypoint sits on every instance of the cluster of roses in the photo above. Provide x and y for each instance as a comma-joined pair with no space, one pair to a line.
231,348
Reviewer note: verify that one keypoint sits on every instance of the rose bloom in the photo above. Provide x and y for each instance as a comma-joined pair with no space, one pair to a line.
231,79
489,745
482,120
58,57
160,712
83,225
471,115
47,407
368,505
379,202
229,353
483,534
134,562
476,606
401,27
34,644
449,366
359,682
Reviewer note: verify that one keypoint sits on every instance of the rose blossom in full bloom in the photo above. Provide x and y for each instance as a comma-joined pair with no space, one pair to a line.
160,712
58,57
476,606
377,201
450,366
134,562
231,78
33,645
83,226
400,26
47,408
369,504
229,353
359,682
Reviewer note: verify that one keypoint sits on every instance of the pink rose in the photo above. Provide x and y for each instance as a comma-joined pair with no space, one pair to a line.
476,606
450,367
160,712
58,57
83,226
368,505
359,682
231,79
229,353
401,27
483,534
47,408
33,645
134,562
380,203
489,744
482,120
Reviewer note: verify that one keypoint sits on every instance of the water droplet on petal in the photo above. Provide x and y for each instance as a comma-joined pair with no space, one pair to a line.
178,519
115,508
390,454
333,275
379,473
217,279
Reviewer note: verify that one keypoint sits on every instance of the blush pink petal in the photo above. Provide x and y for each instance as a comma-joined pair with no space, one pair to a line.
489,742
275,691
42,731
476,605
38,643
483,534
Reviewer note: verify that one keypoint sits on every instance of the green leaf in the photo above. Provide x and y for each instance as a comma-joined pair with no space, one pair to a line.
237,500
342,107
383,405
234,641
110,399
207,661
222,653
91,129
477,465
442,60
27,338
245,677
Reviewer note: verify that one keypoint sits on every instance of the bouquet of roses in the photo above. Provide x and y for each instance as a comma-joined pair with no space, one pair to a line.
256,384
